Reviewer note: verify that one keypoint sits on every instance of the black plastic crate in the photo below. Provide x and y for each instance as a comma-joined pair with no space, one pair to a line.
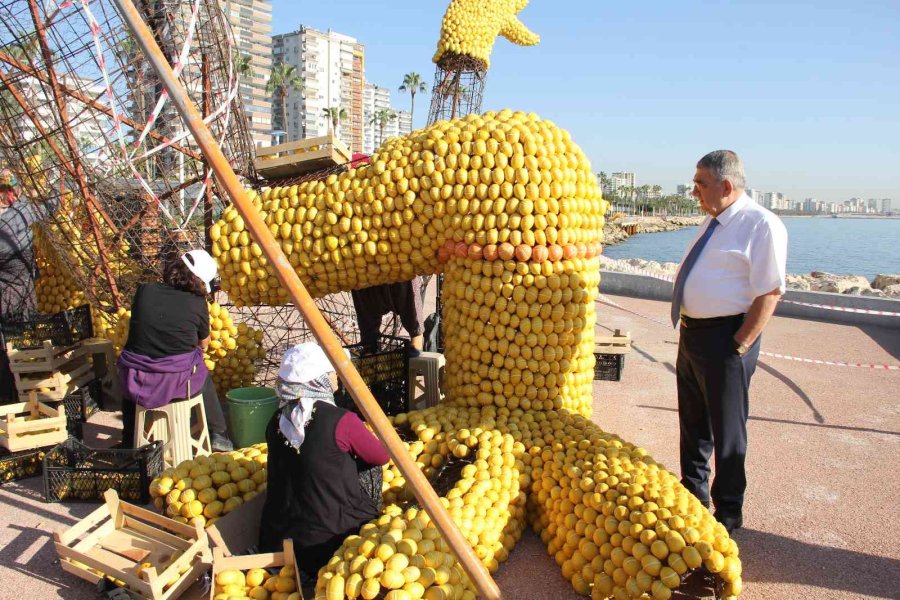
61,329
385,370
21,465
80,405
74,472
609,367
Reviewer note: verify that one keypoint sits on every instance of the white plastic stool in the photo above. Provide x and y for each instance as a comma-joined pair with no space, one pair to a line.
171,424
429,366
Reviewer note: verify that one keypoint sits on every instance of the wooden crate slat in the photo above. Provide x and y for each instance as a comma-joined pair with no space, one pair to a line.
48,359
173,541
81,527
56,379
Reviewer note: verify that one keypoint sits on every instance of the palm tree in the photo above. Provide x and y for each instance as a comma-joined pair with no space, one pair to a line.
380,119
336,115
242,64
412,83
283,79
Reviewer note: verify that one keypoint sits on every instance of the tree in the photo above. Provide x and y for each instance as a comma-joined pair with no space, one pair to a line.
242,65
336,115
604,180
283,79
380,120
412,83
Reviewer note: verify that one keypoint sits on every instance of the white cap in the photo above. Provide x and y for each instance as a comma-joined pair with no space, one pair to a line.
202,265
305,362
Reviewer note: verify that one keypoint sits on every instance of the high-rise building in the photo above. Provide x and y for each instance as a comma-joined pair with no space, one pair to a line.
620,180
885,205
333,69
376,98
757,196
251,22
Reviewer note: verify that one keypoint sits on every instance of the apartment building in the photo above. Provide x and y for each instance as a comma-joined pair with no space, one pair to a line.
377,98
332,66
251,23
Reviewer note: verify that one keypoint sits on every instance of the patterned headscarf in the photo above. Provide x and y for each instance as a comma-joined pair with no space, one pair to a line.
297,399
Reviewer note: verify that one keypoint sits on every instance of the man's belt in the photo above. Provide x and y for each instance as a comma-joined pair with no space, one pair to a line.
692,323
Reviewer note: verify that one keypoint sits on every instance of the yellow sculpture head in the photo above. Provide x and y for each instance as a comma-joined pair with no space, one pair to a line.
470,27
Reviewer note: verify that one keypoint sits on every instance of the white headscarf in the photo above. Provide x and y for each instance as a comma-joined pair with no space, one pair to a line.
303,380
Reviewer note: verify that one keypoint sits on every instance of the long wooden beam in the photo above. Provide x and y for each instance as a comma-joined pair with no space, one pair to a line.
354,383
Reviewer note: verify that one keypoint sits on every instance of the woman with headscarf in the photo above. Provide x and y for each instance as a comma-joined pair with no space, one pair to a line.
317,452
163,358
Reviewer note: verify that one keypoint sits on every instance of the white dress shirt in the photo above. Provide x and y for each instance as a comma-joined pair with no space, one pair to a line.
744,258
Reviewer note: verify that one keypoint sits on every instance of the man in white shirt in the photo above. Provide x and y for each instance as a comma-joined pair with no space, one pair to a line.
727,288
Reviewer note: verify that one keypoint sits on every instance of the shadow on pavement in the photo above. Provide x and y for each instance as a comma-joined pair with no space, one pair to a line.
43,564
652,358
888,339
774,558
789,422
793,387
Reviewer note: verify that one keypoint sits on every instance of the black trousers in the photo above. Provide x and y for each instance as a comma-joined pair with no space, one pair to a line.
404,299
713,404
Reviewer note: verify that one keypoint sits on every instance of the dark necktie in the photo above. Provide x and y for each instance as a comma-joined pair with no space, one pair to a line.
686,266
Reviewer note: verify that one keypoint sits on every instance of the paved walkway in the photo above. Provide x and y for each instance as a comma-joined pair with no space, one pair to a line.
824,469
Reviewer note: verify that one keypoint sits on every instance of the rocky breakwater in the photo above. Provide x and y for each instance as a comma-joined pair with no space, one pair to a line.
883,286
614,232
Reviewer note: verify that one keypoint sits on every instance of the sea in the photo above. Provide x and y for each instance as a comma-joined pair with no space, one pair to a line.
841,246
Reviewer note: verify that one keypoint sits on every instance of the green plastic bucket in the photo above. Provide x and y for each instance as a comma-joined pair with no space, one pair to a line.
249,411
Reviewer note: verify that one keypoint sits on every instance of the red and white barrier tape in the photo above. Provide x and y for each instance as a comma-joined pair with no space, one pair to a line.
831,363
224,107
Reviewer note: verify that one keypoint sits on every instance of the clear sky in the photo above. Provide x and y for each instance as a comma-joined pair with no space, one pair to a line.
807,91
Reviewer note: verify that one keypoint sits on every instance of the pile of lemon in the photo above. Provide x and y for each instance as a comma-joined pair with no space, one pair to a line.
470,27
55,288
256,584
201,490
617,523
492,182
233,350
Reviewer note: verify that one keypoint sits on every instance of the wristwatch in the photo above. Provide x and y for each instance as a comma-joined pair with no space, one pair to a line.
740,348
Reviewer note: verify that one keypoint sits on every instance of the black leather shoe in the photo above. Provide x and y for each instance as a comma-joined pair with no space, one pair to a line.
730,522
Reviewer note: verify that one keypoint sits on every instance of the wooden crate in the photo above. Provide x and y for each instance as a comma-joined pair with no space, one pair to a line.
618,343
42,360
269,560
300,157
55,385
46,427
114,541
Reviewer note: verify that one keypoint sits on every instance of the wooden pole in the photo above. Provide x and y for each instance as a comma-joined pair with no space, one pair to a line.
354,383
